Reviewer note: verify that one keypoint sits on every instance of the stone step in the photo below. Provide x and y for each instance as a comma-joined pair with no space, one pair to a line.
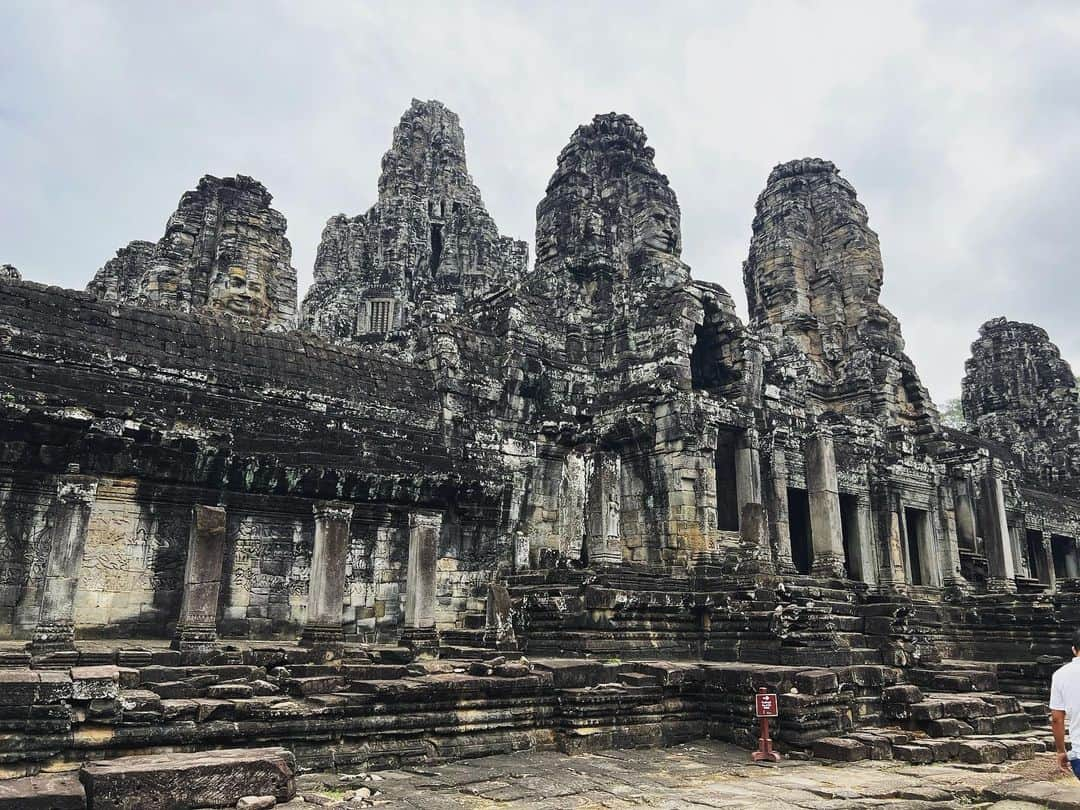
920,750
451,651
954,680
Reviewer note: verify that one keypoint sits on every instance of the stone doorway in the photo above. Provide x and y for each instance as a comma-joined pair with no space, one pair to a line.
802,551
917,523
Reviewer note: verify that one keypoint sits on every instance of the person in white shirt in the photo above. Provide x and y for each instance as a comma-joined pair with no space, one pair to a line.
1065,704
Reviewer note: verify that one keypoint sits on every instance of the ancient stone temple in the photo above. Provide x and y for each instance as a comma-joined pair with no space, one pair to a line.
1020,392
219,530
427,246
224,253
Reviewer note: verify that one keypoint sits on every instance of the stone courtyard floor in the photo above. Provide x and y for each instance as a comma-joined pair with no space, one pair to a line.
702,774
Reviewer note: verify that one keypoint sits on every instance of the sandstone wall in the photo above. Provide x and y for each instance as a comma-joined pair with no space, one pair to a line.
167,410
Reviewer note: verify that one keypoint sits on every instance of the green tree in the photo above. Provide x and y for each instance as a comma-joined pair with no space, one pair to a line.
952,414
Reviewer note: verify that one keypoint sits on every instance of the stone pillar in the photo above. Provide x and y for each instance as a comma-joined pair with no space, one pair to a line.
1048,560
603,537
747,470
778,518
54,630
949,557
196,629
861,545
824,494
756,556
521,552
419,632
1072,569
965,513
999,556
891,571
326,586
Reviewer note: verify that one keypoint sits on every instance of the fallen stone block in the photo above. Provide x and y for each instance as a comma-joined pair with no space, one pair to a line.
1019,749
879,747
816,682
315,685
61,791
927,710
1011,723
256,803
841,749
904,693
943,749
915,754
982,751
188,781
95,683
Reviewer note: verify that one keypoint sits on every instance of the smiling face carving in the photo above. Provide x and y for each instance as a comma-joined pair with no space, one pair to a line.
242,292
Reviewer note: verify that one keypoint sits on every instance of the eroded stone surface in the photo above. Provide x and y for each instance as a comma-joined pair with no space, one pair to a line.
1018,391
224,253
428,244
8,272
813,279
183,781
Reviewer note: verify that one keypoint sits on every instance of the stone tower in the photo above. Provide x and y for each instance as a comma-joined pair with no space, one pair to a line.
813,278
224,252
1018,391
427,243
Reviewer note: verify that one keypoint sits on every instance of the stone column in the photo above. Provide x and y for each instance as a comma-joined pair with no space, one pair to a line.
824,495
891,571
521,552
755,556
747,470
1072,569
1048,560
861,546
778,518
603,537
326,586
196,629
419,632
999,556
949,558
54,630
965,513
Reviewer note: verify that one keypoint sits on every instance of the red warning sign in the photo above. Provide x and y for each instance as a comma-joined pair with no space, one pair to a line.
766,705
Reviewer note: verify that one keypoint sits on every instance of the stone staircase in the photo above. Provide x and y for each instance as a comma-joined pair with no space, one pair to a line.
606,613
949,710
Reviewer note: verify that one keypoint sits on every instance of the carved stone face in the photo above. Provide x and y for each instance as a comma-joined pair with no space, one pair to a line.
656,226
241,291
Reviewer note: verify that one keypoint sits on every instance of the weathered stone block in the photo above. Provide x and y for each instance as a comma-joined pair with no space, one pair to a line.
61,791
904,693
915,754
185,781
816,681
95,683
841,749
982,751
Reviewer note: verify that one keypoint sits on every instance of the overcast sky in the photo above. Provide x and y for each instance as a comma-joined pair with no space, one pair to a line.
958,123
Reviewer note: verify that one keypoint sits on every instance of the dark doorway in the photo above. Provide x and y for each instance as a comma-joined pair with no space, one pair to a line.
1061,548
1036,562
802,551
727,496
915,520
849,529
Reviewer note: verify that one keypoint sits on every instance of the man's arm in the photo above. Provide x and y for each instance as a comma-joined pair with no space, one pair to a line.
1057,723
